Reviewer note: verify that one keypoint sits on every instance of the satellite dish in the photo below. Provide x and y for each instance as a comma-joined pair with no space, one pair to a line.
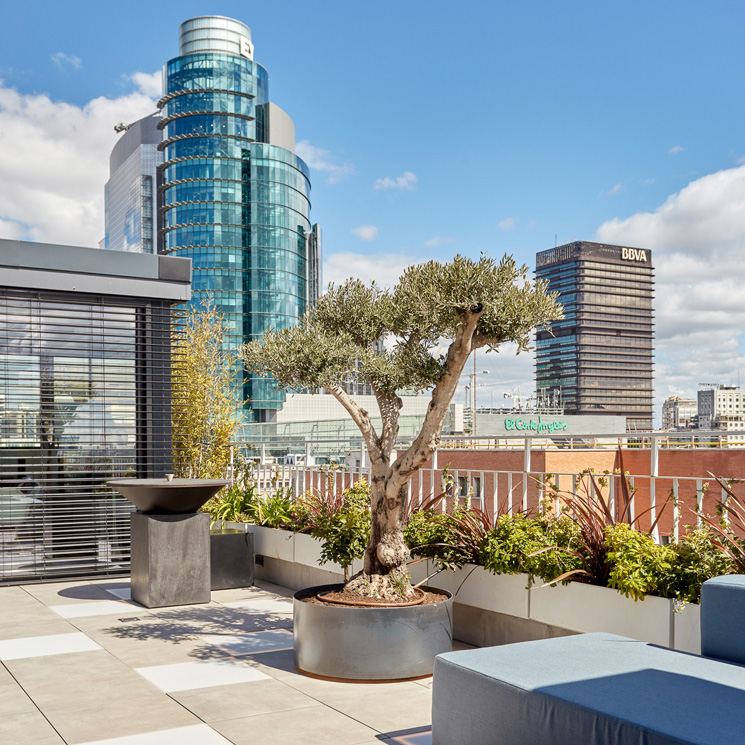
121,127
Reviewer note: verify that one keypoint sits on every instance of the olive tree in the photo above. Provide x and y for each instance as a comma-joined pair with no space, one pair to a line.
431,321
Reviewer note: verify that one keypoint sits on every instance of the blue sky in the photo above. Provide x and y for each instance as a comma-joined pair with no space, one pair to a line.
485,126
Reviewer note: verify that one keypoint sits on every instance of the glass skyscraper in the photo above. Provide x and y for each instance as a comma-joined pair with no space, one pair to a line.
131,210
598,358
232,195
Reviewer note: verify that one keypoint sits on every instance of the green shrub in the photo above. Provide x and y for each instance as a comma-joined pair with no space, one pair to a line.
638,565
340,521
534,546
696,559
233,504
433,535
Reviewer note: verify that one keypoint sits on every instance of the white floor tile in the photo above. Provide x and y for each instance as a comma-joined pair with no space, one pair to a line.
123,593
259,641
99,608
198,734
266,606
42,646
189,675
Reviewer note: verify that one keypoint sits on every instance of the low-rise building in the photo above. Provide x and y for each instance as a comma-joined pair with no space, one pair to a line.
679,413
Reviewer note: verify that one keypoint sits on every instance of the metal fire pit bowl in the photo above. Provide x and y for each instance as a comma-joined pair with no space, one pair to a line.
164,497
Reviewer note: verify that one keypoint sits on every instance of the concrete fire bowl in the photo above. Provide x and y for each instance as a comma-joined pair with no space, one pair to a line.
164,497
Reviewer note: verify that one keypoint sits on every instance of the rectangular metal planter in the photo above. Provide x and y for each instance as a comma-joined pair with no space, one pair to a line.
231,558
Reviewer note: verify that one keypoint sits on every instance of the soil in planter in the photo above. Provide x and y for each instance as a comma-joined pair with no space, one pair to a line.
352,600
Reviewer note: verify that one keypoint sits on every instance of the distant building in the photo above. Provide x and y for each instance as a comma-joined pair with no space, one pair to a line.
679,413
131,191
722,408
598,358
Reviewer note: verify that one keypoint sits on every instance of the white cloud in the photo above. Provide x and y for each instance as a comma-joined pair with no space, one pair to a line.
384,268
365,232
63,60
741,160
149,83
675,149
698,240
439,240
405,182
54,162
614,190
507,224
319,159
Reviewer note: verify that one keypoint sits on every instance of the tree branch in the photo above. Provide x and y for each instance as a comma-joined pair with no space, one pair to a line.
361,419
442,394
390,406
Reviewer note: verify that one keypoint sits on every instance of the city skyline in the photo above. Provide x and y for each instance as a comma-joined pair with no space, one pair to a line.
435,131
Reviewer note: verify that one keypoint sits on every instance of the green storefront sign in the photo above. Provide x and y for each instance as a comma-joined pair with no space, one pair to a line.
534,425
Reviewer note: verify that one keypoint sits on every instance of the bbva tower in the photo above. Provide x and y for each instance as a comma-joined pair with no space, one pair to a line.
231,193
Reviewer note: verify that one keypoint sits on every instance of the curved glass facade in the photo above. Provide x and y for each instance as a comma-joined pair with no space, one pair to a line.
238,206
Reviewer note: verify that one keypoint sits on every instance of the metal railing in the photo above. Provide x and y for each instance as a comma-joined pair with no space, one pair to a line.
670,479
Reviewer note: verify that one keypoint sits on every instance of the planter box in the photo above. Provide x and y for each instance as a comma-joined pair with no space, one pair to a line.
274,543
688,628
473,585
587,608
231,558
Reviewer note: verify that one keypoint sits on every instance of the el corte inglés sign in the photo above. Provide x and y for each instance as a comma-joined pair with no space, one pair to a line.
534,425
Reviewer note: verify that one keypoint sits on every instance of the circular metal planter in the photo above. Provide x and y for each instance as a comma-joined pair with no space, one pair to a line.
362,643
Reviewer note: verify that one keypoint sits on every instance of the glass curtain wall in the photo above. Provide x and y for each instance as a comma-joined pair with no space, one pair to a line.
79,396
239,208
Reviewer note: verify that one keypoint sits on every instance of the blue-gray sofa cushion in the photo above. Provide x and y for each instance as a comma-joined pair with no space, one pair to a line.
590,689
723,618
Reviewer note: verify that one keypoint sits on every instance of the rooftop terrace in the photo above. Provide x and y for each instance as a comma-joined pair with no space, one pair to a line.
82,664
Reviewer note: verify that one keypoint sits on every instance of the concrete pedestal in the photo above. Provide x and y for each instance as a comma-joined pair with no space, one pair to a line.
232,558
170,559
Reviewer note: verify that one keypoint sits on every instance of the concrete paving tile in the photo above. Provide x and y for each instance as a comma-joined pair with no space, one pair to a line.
279,665
30,728
42,646
83,679
18,628
240,593
242,699
284,592
200,734
106,607
64,593
243,644
13,700
267,606
307,726
120,717
200,674
414,738
5,676
395,707
225,620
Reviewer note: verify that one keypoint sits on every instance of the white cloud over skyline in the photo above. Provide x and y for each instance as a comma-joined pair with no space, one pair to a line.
698,239
365,232
507,224
319,159
405,182
384,268
676,149
439,240
55,161
63,60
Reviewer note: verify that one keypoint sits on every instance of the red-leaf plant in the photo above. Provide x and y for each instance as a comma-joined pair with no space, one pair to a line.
592,514
729,527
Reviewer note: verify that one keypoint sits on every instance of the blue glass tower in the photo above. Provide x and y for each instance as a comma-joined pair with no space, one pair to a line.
233,196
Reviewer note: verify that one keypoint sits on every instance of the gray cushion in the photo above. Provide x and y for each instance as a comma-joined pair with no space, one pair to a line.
723,618
592,689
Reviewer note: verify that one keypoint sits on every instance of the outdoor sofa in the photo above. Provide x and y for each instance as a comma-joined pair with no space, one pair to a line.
601,689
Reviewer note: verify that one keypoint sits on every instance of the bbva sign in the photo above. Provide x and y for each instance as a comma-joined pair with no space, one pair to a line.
633,254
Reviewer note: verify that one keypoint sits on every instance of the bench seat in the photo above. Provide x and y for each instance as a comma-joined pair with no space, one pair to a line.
589,689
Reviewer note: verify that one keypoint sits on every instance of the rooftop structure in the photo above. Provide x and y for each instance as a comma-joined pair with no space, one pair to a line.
598,358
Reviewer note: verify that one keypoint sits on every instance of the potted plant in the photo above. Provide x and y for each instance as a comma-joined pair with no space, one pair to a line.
457,307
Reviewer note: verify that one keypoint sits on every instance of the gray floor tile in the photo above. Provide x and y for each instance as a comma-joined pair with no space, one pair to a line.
382,706
284,592
28,729
84,679
5,676
14,701
242,699
120,717
308,726
64,593
19,628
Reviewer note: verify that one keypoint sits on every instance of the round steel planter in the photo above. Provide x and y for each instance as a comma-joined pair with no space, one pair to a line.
370,643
